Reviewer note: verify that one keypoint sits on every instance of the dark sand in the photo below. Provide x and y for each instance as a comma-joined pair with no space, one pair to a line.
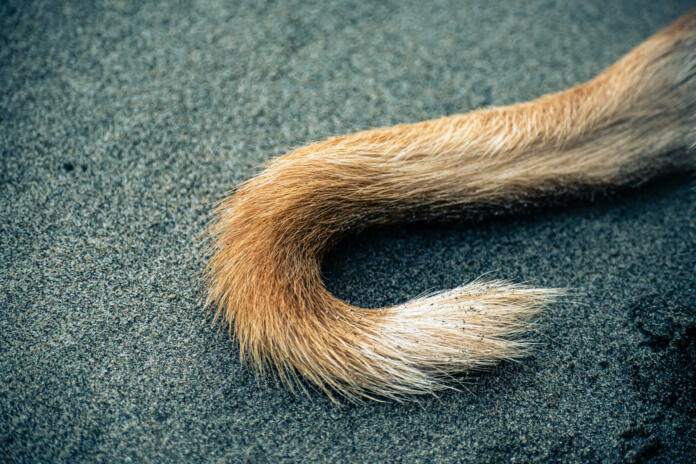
121,124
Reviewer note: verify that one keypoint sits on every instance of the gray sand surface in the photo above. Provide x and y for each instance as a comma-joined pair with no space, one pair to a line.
120,124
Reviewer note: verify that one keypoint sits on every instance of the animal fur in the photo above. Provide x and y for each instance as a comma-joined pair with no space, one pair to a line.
267,240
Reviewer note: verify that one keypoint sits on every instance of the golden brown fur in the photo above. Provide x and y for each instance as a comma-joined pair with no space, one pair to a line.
267,240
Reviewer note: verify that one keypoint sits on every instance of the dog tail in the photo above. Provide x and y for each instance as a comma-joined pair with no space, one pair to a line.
267,240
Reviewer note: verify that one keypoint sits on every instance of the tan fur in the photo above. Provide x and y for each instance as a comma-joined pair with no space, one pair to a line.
267,240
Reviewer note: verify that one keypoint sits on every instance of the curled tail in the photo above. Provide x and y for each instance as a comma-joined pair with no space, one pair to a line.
267,240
